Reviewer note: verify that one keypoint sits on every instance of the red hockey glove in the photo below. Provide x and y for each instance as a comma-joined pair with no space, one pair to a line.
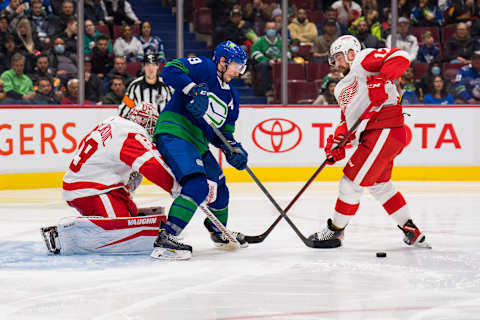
333,152
376,90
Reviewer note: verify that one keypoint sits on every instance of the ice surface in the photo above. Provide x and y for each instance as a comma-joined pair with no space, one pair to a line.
280,278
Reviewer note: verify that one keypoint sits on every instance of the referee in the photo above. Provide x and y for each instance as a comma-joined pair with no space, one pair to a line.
148,89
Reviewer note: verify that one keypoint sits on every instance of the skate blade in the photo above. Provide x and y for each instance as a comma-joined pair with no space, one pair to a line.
170,254
422,243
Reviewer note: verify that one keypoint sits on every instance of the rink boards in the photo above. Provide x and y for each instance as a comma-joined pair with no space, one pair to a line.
285,143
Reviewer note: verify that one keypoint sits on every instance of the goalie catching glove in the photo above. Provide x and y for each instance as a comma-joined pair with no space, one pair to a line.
238,157
199,104
333,150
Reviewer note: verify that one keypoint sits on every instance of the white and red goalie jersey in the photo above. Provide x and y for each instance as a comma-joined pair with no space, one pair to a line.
108,155
352,92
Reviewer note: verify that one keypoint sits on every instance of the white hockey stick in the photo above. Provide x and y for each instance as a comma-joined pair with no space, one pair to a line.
233,241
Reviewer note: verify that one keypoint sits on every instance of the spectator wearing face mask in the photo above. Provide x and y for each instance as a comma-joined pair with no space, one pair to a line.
428,51
62,62
425,85
266,51
295,56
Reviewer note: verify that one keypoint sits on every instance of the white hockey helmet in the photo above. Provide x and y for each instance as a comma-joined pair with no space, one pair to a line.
146,115
344,44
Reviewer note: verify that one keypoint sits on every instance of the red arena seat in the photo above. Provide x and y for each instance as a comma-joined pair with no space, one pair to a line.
317,71
450,70
133,68
203,20
301,90
295,72
103,29
419,69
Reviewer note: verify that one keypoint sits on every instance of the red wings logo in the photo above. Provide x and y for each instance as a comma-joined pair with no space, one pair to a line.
347,94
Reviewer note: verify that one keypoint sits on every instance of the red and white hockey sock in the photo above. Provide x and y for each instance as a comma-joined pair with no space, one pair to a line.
344,212
348,202
392,201
397,208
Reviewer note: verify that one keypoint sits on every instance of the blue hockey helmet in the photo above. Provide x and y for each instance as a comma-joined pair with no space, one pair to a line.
232,53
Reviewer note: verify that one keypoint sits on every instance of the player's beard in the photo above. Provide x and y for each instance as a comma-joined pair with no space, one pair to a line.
345,69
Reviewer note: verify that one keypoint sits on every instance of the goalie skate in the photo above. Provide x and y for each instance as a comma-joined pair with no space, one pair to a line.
50,237
413,236
168,247
221,241
330,237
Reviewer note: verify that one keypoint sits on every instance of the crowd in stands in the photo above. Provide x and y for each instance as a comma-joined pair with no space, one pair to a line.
38,44
38,50
442,38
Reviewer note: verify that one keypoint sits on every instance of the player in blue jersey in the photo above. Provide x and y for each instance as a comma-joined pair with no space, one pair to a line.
202,96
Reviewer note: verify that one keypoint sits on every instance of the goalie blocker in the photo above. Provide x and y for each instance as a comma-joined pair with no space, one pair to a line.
87,235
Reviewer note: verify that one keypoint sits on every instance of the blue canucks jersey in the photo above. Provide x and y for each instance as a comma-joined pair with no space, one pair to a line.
467,83
223,105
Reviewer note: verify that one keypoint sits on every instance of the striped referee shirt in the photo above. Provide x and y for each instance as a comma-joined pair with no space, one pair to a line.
139,91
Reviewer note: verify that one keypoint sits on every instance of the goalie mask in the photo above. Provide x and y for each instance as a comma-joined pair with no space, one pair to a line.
343,45
146,115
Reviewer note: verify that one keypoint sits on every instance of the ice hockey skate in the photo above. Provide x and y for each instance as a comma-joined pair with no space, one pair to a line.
221,241
168,247
330,237
50,237
413,236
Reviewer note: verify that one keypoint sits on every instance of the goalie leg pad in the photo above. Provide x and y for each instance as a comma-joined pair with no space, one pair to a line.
87,235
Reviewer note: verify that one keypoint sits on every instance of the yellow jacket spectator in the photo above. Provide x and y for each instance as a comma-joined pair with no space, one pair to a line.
302,29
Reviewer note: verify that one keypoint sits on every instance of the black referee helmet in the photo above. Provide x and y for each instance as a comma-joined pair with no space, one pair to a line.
150,58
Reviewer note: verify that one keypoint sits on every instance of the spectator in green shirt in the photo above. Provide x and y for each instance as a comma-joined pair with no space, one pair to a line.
267,51
91,35
17,86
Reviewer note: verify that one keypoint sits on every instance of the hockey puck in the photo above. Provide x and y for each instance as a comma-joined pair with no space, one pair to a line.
381,254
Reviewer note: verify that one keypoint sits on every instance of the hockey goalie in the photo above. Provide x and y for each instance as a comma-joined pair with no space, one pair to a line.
108,166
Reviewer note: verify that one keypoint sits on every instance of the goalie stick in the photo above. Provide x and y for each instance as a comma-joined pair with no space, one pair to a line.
308,242
259,238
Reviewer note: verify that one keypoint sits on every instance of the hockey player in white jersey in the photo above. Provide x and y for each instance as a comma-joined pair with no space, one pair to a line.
368,91
99,186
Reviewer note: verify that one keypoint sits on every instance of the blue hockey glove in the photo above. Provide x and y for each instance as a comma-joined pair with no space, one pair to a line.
199,104
238,158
